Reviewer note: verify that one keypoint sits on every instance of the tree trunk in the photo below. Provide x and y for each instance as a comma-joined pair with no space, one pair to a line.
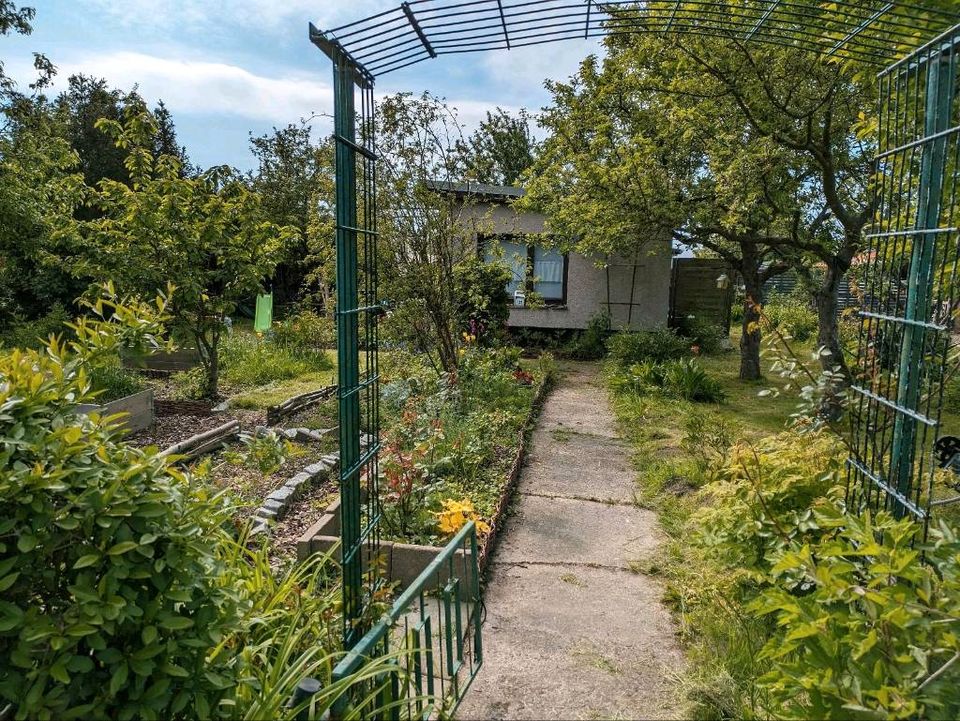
828,334
749,268
209,361
750,338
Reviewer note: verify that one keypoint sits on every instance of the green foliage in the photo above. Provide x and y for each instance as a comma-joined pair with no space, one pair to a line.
189,385
501,150
660,344
267,452
762,498
104,549
39,187
33,334
305,332
206,234
483,308
591,343
126,591
705,335
875,635
112,381
248,361
684,378
707,440
452,436
792,316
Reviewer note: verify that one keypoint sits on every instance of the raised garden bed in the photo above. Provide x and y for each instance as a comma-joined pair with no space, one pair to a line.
138,407
404,562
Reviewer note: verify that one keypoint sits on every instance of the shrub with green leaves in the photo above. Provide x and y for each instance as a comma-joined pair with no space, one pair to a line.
792,316
876,634
659,344
704,334
305,332
684,378
114,590
763,496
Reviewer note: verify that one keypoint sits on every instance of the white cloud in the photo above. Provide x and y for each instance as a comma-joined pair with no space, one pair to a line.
196,86
258,15
521,72
215,88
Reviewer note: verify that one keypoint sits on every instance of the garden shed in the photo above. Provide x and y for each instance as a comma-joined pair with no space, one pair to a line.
570,288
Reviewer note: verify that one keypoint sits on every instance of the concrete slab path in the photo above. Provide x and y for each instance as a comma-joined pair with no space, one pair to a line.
572,632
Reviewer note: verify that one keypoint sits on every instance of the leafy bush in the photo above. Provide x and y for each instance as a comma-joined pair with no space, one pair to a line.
792,316
707,440
591,342
190,385
687,379
305,332
875,635
34,333
113,579
704,335
684,378
114,381
763,497
266,452
247,362
483,303
126,593
659,344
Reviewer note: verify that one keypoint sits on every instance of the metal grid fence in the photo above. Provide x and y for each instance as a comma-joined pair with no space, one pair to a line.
909,288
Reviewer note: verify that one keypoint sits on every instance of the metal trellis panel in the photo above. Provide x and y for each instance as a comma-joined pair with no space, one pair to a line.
358,312
909,287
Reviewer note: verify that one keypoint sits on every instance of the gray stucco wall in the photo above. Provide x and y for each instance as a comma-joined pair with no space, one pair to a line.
648,275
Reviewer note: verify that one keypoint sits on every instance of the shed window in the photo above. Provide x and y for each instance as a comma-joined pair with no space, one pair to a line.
541,270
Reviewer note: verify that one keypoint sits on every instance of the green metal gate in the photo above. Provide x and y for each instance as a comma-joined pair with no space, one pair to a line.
909,288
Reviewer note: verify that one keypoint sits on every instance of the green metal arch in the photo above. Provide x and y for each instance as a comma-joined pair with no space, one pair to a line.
875,32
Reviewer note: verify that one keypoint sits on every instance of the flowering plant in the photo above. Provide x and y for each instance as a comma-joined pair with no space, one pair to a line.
456,514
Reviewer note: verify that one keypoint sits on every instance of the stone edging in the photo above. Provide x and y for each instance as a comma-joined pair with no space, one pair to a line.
278,503
499,513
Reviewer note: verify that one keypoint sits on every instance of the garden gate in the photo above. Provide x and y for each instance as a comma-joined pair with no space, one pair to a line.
909,289
909,286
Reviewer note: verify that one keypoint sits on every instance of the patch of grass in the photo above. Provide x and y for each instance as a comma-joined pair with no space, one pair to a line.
278,391
561,435
721,641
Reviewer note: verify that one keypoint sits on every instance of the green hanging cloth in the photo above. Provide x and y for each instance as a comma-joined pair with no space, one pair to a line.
264,315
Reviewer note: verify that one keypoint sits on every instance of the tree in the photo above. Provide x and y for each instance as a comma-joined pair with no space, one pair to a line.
501,149
165,141
626,165
206,235
20,21
39,187
821,111
294,179
425,235
85,101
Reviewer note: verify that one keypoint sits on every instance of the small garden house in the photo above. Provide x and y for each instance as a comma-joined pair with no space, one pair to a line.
553,289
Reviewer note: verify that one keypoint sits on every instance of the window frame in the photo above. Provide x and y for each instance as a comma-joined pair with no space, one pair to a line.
483,239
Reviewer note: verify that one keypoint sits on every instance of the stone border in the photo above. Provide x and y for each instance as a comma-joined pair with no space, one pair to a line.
405,561
500,512
276,505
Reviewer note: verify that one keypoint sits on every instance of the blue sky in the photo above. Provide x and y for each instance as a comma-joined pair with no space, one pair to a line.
228,67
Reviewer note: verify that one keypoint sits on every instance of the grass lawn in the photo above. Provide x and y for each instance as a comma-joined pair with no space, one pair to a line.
278,391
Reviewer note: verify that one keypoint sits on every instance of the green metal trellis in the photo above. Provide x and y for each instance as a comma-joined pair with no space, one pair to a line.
910,279
909,287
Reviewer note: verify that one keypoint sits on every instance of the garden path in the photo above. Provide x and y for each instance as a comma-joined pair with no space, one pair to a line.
573,630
